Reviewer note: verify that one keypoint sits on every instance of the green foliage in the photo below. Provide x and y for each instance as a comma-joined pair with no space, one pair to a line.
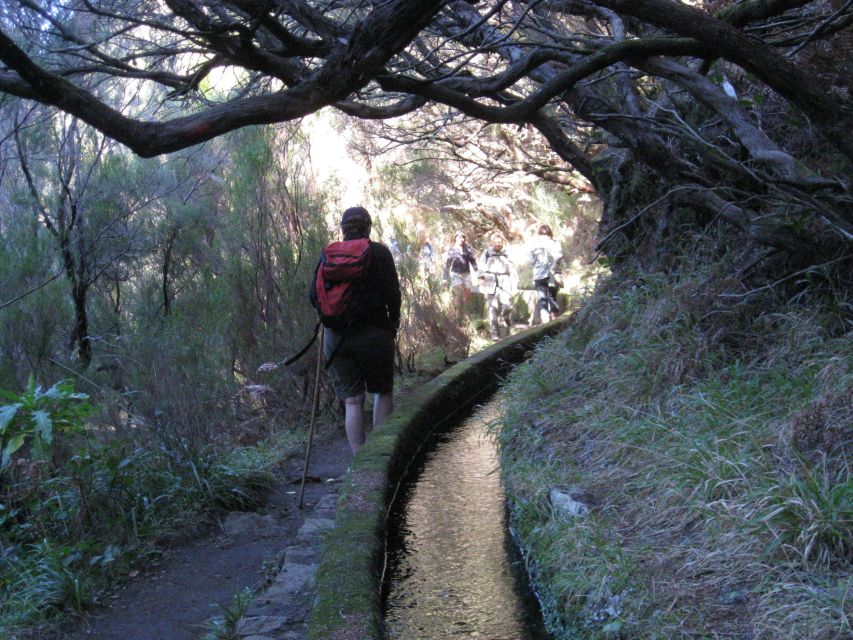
30,329
195,268
68,530
553,206
811,516
66,536
427,319
39,415
421,181
44,579
223,626
714,456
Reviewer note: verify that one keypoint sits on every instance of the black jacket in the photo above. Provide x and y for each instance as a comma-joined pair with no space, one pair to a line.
459,260
382,288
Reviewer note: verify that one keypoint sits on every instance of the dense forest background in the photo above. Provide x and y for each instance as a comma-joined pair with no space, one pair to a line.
141,299
169,172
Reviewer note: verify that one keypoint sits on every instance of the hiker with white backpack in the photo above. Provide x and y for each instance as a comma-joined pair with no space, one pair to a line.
498,282
546,255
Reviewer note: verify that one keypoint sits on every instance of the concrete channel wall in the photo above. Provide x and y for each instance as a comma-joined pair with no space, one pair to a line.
347,604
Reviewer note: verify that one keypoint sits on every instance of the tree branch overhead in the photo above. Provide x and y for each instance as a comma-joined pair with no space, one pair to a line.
589,75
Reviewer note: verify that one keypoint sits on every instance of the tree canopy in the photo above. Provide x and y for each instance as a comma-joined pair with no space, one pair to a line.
692,90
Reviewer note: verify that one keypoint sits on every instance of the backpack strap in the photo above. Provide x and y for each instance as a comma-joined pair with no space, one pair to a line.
304,350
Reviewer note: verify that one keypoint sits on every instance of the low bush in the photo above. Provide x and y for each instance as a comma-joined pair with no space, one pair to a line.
72,525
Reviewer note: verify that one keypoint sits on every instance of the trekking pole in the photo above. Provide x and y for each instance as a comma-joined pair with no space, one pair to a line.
314,406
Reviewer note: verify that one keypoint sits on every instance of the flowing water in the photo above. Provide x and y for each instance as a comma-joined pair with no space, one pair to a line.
454,570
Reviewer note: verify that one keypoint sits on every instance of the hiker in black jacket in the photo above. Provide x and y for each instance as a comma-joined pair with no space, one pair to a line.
458,265
361,357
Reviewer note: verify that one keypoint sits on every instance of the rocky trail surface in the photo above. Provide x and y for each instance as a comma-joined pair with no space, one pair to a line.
274,553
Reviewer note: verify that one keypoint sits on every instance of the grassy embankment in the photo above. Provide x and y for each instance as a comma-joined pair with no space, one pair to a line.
713,446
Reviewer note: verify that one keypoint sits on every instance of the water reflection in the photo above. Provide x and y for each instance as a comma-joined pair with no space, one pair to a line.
452,572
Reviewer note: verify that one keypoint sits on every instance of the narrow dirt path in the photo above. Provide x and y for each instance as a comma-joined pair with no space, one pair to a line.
173,600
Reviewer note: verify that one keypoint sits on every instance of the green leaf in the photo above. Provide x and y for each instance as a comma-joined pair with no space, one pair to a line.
43,426
108,556
612,627
11,447
55,392
7,414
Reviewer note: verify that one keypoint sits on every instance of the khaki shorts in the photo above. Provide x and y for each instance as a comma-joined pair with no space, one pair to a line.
362,360
460,279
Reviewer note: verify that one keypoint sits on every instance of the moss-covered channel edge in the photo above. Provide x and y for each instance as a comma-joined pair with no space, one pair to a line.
348,601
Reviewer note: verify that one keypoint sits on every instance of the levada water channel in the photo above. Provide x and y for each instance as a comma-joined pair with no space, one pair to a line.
453,569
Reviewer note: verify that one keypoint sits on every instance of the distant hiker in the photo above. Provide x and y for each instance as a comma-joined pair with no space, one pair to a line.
427,259
457,270
359,340
545,256
498,281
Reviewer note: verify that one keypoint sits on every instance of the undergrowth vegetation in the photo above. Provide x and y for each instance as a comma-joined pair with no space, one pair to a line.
711,436
79,518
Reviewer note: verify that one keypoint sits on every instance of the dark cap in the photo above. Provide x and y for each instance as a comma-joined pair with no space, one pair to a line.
356,216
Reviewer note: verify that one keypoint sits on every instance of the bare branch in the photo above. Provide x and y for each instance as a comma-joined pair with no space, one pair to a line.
20,297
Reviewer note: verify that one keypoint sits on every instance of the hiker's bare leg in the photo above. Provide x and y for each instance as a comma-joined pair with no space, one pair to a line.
383,404
553,308
494,310
354,421
533,303
459,303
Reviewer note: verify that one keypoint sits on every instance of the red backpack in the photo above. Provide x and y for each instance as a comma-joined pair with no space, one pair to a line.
339,276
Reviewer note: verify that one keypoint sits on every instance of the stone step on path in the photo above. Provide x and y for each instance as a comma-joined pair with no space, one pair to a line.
281,611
